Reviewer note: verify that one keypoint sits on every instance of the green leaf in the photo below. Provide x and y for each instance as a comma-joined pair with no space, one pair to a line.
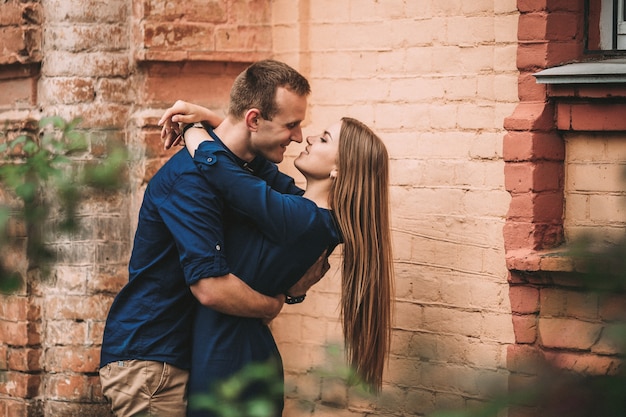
26,191
55,121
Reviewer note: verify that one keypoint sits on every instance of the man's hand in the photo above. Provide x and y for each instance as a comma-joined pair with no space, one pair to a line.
310,277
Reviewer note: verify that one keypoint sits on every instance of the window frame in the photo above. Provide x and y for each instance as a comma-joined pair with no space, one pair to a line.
611,22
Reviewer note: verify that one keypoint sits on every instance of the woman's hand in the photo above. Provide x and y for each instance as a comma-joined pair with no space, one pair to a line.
310,277
182,113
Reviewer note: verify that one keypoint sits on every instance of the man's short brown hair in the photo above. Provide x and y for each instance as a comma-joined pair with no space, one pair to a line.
256,87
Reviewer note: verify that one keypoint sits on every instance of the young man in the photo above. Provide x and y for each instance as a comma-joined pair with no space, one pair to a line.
178,252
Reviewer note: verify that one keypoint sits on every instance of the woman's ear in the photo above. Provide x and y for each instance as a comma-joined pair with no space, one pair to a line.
252,119
333,173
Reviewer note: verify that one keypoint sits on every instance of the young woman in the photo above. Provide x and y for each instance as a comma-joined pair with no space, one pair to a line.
272,238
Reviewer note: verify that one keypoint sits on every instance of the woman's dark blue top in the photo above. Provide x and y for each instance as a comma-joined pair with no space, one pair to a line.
271,239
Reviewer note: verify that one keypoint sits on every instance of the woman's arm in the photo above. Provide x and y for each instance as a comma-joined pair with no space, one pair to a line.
281,217
182,113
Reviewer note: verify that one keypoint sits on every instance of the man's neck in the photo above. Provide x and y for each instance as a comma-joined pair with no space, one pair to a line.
236,137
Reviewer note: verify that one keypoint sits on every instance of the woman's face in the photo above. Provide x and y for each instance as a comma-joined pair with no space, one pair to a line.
319,158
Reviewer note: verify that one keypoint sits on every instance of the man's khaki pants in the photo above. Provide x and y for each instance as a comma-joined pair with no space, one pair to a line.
145,388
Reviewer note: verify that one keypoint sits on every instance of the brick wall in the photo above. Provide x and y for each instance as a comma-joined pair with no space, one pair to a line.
563,152
472,203
435,80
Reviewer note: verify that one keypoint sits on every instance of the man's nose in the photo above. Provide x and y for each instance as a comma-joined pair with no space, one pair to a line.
297,136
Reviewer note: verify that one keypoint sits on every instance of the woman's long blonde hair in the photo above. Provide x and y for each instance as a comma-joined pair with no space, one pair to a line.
360,200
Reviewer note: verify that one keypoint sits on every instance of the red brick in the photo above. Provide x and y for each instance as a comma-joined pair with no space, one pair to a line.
519,235
518,177
530,146
154,144
72,359
10,14
20,385
14,333
548,207
532,56
526,176
190,82
580,91
96,330
87,11
536,116
524,299
19,93
531,236
525,6
165,35
76,307
529,89
587,364
588,116
109,280
13,308
69,387
525,328
101,37
564,333
15,407
251,38
563,26
525,359
4,352
115,90
66,332
24,359
11,44
560,53
613,307
548,176
533,26
68,90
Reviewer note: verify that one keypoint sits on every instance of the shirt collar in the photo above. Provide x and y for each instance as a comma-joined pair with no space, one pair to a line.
251,166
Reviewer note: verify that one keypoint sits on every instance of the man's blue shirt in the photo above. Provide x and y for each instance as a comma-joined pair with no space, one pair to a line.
179,240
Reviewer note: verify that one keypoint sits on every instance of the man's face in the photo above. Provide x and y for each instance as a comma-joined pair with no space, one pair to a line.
273,136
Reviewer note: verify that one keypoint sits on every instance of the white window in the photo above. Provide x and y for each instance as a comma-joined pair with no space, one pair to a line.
605,28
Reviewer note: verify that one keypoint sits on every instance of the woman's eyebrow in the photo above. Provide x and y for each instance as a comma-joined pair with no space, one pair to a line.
326,132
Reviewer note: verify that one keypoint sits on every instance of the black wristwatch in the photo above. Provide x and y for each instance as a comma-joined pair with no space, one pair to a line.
294,300
189,126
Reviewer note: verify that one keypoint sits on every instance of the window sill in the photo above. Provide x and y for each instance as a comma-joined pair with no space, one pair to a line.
610,71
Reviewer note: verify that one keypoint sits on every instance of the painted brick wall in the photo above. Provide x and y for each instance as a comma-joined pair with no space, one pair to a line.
595,190
436,79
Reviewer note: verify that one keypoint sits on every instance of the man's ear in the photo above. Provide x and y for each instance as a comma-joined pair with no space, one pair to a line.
252,119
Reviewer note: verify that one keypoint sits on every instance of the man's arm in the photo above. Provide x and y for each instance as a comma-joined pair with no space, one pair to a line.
230,295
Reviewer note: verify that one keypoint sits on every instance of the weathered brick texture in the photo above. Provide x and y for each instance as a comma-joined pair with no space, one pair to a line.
478,174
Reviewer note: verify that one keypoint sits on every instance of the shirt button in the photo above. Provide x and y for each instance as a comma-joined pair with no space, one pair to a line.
209,159
218,247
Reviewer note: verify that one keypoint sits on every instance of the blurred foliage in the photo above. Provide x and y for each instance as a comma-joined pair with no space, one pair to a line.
558,392
44,169
251,392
